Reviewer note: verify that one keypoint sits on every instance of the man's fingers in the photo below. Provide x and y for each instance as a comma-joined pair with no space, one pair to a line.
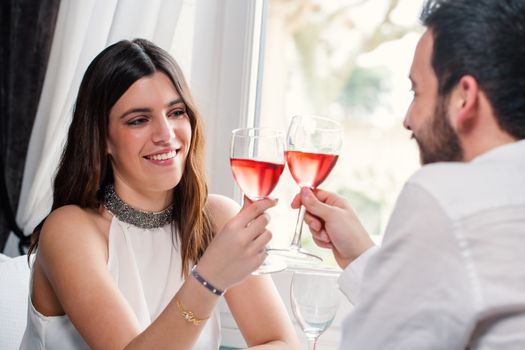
330,198
313,222
323,236
313,205
322,195
323,244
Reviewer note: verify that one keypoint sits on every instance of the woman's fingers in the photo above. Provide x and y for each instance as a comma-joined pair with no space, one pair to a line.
257,226
260,242
254,210
296,202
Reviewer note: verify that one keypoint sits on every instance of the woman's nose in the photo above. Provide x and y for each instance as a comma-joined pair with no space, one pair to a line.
163,131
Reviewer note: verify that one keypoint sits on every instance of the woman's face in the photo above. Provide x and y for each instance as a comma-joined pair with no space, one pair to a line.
149,135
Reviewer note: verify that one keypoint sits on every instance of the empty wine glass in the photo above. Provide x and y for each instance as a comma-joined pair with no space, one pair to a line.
257,162
314,296
313,145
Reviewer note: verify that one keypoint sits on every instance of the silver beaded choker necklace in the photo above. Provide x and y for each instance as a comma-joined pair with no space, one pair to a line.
130,215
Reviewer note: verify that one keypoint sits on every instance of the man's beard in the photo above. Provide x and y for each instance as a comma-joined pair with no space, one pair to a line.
439,142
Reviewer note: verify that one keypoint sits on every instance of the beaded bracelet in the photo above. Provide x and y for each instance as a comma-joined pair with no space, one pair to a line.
205,283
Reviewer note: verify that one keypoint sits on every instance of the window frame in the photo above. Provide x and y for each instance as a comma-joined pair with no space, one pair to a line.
224,83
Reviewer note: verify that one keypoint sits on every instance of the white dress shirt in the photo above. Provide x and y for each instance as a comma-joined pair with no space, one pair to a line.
450,273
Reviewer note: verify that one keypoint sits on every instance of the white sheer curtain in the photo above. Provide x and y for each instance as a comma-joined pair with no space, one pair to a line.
214,41
83,29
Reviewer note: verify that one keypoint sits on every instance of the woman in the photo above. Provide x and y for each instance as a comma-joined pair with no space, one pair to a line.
130,218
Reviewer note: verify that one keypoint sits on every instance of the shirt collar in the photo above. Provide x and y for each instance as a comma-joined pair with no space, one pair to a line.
506,150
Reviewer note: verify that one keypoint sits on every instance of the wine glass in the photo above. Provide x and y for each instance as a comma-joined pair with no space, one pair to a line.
257,161
314,296
313,145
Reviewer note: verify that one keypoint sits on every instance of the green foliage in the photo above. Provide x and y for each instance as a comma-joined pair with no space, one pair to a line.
363,89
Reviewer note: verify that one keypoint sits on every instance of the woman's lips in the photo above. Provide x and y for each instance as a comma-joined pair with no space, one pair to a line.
162,156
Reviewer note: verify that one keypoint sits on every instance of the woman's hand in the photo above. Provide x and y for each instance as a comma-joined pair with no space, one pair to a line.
240,246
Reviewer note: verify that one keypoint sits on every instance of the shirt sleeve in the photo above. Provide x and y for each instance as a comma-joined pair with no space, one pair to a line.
350,279
415,292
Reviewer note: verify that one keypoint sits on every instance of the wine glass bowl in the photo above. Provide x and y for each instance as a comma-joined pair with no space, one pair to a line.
312,149
314,297
310,169
257,161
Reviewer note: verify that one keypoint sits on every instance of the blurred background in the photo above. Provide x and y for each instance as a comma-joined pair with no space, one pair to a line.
349,61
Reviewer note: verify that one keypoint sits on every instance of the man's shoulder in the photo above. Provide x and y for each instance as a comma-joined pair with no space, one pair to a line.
438,175
504,162
462,189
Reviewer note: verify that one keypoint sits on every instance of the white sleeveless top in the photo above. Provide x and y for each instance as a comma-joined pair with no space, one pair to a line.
146,266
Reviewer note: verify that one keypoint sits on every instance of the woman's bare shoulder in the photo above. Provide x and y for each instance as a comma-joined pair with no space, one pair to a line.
219,201
71,213
72,228
221,209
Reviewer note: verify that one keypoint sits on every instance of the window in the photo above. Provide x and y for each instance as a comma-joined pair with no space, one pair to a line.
349,61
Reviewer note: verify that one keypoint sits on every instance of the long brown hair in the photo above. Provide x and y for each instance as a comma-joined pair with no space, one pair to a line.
85,167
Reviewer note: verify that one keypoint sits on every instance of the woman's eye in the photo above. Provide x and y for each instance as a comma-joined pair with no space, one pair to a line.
177,113
137,121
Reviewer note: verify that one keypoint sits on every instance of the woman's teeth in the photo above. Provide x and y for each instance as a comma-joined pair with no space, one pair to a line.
162,156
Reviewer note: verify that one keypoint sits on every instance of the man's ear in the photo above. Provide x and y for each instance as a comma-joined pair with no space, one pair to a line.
464,104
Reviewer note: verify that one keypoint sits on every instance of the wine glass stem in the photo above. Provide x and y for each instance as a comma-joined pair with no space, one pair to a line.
312,343
296,242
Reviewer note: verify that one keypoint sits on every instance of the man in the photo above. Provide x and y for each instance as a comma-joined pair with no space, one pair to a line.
450,273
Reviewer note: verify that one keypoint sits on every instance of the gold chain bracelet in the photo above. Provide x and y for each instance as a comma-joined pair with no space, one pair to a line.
188,315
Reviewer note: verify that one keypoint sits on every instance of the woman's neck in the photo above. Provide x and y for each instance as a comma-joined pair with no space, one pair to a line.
146,217
145,200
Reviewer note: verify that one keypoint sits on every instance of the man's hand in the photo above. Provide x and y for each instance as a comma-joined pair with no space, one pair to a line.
333,224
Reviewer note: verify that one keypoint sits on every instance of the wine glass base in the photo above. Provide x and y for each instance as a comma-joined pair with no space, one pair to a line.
296,257
271,264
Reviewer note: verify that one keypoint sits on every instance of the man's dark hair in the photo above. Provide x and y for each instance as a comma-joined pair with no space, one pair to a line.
484,39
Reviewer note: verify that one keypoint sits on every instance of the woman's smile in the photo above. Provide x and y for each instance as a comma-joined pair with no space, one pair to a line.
164,157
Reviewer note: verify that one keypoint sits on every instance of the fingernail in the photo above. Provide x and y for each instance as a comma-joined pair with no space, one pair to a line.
305,192
275,199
